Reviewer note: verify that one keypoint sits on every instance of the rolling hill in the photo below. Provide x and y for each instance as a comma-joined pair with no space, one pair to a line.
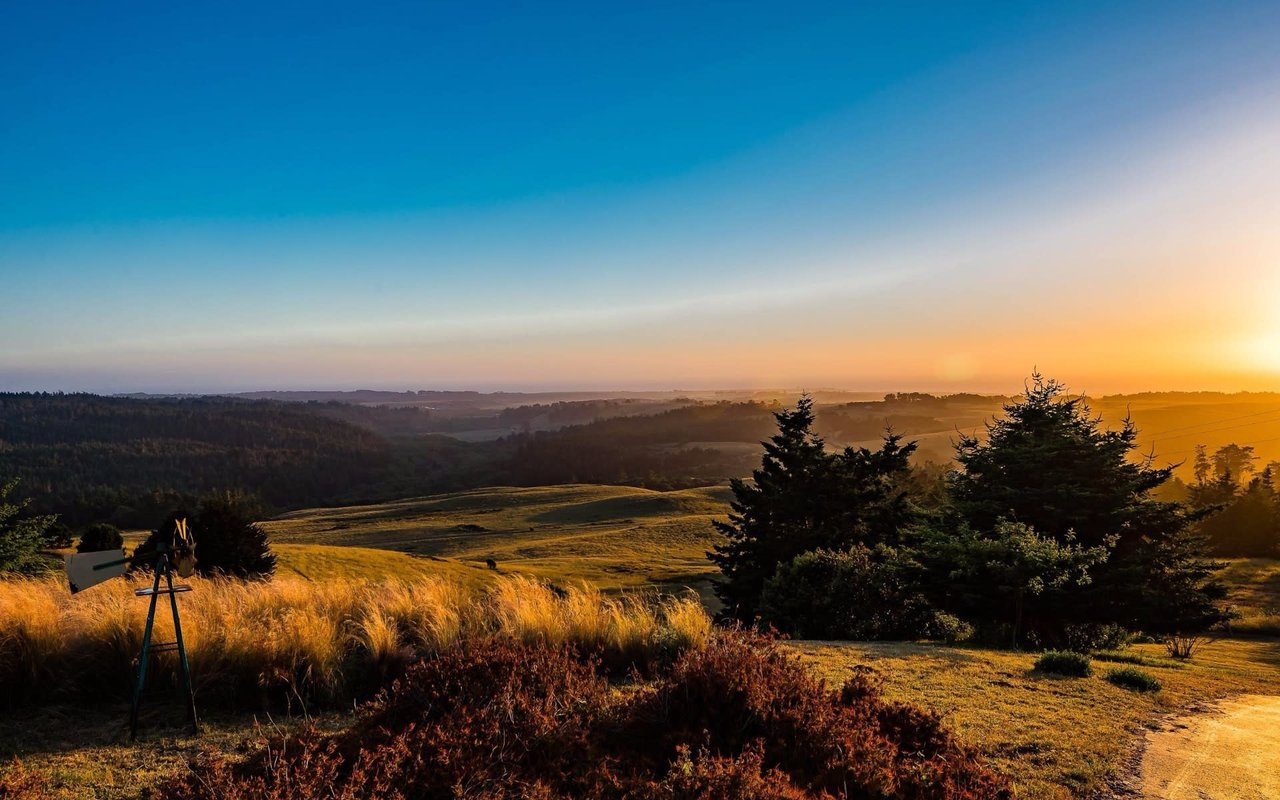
612,536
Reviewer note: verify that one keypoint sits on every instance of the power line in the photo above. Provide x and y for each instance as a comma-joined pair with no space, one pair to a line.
1246,444
1213,430
1217,421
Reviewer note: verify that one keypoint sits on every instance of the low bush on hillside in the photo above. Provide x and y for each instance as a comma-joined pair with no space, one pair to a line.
494,719
1133,678
319,643
1184,647
1064,662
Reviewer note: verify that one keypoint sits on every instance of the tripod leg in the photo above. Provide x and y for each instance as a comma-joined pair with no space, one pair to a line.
142,659
182,657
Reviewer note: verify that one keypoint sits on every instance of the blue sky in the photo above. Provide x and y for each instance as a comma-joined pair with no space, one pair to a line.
564,196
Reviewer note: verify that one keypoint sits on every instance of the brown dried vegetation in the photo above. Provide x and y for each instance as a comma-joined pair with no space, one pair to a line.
501,719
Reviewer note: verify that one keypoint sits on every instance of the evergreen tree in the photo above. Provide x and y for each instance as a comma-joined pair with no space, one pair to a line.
228,542
803,498
1247,524
1232,459
1050,464
1202,466
21,536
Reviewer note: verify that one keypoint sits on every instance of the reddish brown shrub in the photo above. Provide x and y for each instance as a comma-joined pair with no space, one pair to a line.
740,719
745,691
19,782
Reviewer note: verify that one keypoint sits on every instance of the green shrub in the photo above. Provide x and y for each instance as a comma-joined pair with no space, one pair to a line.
1133,678
1064,662
949,628
98,537
1088,638
860,594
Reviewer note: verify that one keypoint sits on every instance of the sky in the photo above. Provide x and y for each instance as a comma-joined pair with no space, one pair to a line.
541,196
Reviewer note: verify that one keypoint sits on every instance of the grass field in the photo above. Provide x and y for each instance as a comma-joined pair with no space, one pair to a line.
1055,737
611,536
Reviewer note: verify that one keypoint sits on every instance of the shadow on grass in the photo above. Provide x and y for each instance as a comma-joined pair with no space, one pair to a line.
949,653
60,729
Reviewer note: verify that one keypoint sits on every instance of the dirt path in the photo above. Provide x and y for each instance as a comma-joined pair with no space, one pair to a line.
1230,753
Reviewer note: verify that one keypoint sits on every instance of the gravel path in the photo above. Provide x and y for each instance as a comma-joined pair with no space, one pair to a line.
1230,753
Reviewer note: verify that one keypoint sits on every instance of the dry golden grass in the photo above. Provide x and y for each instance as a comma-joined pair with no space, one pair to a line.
299,639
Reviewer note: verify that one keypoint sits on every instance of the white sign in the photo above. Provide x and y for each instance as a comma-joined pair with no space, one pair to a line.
85,569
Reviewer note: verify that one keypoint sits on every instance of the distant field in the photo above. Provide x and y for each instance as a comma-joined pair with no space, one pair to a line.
1170,423
612,536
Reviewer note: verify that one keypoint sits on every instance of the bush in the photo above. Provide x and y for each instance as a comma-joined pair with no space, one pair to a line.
59,535
949,628
21,535
98,537
860,594
21,783
1064,662
1133,678
228,541
1183,647
1089,638
490,719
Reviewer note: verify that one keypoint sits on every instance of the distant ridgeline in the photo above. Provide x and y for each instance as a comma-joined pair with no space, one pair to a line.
130,460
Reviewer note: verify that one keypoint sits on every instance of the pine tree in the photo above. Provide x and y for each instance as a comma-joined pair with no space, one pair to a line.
228,541
1051,465
1202,466
803,498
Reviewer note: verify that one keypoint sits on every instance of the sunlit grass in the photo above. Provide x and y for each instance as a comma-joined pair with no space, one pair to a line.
301,639
1056,737
610,536
1255,593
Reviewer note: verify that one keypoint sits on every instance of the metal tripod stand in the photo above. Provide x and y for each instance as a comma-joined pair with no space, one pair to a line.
163,569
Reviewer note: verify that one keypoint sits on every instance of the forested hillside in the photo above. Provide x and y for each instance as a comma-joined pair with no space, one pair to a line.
92,458
131,460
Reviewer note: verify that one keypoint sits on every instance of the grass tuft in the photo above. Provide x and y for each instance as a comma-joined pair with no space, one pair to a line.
1133,678
1064,662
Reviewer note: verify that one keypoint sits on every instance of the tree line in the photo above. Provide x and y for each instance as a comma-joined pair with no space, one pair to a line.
1244,501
